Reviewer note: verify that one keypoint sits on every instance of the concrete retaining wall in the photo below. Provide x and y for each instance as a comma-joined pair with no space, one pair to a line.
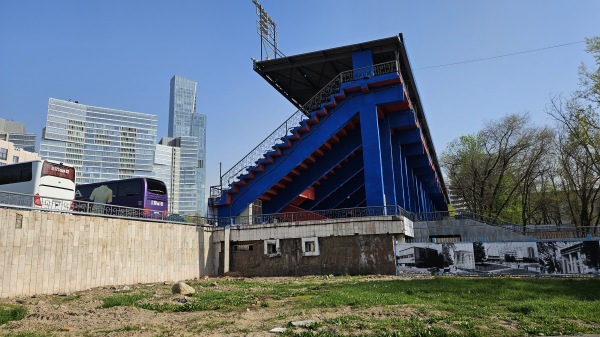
48,253
362,245
468,230
338,255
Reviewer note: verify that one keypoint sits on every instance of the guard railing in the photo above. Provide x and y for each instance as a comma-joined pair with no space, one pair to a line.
31,202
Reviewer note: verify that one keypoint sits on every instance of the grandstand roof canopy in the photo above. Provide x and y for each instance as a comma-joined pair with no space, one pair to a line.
298,78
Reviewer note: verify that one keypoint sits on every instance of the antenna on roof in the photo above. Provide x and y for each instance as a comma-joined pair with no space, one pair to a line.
267,30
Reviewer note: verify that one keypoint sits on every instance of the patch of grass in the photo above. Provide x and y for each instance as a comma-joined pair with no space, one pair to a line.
11,313
26,334
162,307
123,300
471,306
441,306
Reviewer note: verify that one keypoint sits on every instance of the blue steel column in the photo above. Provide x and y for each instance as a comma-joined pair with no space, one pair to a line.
412,188
387,160
421,196
400,171
362,59
369,126
418,199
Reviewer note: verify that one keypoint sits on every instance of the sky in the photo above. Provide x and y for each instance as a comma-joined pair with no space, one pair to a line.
121,54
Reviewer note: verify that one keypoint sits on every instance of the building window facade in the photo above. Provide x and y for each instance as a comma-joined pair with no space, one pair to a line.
310,246
101,143
272,248
3,153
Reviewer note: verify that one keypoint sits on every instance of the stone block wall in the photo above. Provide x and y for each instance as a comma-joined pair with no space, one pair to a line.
48,253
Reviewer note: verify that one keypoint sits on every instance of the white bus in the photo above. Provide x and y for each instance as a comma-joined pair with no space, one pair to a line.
39,183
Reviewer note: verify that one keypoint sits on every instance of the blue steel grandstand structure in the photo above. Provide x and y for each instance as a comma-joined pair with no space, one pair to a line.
359,138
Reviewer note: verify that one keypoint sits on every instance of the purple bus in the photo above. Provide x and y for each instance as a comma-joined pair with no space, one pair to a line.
148,195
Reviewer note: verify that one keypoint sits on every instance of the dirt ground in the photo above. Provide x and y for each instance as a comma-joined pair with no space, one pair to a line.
81,314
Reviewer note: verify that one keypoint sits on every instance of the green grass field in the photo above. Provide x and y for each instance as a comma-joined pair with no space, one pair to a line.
441,306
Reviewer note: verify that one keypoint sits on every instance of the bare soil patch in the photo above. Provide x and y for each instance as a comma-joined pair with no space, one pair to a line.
81,314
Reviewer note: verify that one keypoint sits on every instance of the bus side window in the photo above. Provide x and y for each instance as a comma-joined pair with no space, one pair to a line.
83,192
114,188
128,188
26,175
17,173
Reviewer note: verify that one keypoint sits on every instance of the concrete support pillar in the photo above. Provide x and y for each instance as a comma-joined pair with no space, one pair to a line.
227,235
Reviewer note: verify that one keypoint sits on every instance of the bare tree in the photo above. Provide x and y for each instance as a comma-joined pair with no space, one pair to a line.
578,157
491,169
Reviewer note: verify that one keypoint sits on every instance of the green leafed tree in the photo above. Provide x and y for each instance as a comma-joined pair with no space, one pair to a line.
492,171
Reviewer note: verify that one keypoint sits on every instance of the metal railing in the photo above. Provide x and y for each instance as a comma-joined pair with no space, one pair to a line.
529,232
553,232
460,215
295,120
21,200
342,213
30,202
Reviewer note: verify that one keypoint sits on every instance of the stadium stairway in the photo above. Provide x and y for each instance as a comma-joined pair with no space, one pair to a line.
362,146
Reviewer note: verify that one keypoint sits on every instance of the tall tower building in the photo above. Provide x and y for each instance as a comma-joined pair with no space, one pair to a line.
190,128
15,133
101,143
166,168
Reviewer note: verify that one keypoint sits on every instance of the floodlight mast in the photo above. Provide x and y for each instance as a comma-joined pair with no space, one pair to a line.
267,30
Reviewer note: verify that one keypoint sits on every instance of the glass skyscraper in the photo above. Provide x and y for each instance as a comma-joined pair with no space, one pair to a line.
101,143
190,128
16,133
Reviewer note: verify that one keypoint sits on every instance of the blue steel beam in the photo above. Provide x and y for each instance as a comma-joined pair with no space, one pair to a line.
335,180
340,151
410,136
341,193
355,199
414,149
404,119
310,142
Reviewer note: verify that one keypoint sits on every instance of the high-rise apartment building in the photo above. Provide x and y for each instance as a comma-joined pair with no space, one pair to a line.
189,127
101,143
16,133
166,169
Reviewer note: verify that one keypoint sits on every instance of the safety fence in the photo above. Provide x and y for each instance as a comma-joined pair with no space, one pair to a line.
35,202
358,212
528,232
